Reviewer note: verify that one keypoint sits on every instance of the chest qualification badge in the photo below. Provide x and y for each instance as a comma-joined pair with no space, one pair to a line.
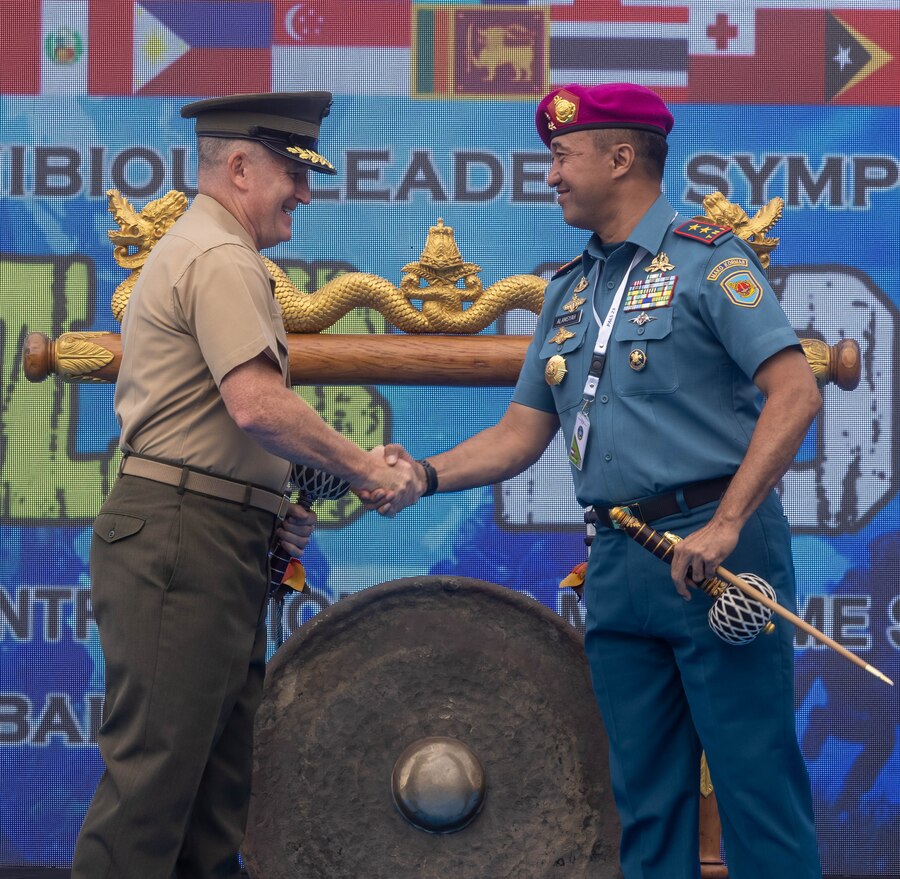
637,360
555,370
562,334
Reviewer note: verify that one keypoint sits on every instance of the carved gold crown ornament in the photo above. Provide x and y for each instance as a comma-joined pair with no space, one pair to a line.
440,293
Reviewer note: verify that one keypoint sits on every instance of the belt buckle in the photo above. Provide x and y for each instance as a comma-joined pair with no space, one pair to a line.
283,507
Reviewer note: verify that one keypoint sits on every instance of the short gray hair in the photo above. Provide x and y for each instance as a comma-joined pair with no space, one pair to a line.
211,151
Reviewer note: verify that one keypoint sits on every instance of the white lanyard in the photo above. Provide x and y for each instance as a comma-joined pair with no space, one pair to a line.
599,356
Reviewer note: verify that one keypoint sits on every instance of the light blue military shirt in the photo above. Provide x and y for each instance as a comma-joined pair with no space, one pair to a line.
675,403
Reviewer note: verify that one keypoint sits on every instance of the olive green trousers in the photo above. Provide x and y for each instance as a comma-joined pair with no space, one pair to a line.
178,586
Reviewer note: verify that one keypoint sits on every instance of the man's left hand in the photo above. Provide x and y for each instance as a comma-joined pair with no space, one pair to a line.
696,558
296,529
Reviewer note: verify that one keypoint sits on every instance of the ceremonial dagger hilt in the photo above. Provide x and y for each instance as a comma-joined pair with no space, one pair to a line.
735,617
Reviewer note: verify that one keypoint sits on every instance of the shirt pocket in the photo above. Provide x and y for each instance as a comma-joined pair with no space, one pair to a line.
644,361
569,391
112,527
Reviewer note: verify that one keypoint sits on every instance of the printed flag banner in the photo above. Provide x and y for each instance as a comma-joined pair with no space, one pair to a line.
477,52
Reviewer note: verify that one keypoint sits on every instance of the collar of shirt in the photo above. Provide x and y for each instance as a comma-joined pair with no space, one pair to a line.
208,205
649,234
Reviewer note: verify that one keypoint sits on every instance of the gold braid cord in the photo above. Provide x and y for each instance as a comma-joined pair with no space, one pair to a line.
433,280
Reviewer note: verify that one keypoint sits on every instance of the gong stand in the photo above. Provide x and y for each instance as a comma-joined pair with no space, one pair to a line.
440,347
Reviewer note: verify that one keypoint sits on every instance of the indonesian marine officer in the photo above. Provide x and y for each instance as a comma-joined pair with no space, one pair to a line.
683,393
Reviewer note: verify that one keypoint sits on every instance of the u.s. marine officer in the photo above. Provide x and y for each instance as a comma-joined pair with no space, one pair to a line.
209,429
652,352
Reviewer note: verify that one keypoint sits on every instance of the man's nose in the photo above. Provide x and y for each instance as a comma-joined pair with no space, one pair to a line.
302,191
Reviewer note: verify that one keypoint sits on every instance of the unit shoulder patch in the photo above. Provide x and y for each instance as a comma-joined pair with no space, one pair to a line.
742,288
703,230
729,263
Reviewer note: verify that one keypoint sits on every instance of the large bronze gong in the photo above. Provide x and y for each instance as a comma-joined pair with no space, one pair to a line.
431,728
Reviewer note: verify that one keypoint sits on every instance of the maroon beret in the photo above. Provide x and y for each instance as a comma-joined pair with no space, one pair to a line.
611,105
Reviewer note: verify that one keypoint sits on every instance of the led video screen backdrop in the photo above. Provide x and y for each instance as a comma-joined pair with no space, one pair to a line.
433,119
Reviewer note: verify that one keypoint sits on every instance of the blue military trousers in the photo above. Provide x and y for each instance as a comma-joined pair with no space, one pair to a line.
668,688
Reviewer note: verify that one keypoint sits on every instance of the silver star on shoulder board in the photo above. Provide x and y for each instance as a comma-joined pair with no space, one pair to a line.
641,319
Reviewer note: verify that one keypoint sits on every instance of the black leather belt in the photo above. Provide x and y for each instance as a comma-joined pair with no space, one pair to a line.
186,479
658,506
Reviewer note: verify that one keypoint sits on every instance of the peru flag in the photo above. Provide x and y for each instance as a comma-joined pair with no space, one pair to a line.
44,48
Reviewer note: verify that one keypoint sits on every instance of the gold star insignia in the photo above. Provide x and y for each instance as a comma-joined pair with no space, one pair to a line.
693,226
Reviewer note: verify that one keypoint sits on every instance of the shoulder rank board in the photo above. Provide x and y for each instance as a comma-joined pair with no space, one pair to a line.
701,229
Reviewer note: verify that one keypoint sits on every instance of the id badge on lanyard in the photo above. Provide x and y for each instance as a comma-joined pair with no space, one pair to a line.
582,428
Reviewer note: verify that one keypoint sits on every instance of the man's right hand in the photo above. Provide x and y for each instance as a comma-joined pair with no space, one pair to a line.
396,481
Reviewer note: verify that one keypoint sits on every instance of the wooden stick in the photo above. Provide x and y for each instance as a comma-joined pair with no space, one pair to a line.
801,624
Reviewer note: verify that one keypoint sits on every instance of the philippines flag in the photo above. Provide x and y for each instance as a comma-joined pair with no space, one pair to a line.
343,46
192,48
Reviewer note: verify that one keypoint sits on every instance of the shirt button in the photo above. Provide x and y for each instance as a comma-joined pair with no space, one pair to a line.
608,456
604,399
640,331
610,284
112,533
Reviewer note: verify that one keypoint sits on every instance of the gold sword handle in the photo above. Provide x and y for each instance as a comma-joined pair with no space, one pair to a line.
633,526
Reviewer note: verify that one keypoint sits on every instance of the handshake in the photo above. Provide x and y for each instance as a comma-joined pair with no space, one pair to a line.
395,481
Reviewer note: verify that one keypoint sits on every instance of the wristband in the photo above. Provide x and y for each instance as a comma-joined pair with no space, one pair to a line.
431,478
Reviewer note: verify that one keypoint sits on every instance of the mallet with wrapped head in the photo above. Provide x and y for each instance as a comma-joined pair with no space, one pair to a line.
741,609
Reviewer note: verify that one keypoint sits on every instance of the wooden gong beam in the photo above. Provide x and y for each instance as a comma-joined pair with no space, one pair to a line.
334,359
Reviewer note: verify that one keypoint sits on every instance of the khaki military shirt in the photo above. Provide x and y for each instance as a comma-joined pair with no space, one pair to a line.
203,305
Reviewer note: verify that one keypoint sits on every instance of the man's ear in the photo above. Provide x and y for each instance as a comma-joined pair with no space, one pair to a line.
622,157
238,166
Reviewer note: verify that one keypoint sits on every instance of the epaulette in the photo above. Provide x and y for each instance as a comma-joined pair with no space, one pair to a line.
567,267
704,230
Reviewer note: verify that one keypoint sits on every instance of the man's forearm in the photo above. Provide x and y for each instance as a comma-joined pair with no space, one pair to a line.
787,414
497,453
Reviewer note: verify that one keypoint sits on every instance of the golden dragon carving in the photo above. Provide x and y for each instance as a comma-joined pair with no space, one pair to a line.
750,229
433,280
